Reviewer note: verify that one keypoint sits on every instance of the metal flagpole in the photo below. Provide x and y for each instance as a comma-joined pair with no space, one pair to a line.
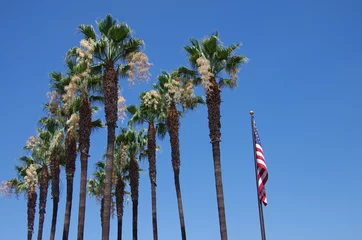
261,215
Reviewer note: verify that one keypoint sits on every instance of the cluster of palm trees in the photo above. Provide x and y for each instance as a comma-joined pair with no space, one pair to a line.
91,82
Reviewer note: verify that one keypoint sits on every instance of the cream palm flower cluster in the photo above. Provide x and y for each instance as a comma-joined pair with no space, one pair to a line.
123,156
73,124
121,107
6,189
31,178
203,69
80,80
173,90
152,99
32,142
58,139
139,67
233,75
179,93
187,93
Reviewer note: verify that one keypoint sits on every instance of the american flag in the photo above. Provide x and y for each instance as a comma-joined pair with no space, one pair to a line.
262,171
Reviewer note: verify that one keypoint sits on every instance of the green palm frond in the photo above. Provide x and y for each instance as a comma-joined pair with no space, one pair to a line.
119,32
223,59
133,45
104,25
88,31
97,124
227,83
122,70
161,130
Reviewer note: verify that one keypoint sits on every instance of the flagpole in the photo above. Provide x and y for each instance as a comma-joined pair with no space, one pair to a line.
261,215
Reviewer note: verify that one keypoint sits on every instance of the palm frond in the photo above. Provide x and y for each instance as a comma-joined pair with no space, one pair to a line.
161,130
88,31
104,25
97,124
227,83
119,32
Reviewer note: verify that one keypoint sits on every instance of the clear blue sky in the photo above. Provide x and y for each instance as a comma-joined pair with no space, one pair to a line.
303,81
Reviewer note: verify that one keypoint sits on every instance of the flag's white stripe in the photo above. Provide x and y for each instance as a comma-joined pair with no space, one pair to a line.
260,154
261,162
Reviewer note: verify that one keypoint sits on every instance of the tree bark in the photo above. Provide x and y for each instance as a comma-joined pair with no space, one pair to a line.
110,82
32,195
213,101
102,211
44,182
134,183
54,169
85,125
173,130
151,135
119,204
71,155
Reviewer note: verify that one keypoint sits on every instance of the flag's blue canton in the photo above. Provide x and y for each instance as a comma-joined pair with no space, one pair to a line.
257,139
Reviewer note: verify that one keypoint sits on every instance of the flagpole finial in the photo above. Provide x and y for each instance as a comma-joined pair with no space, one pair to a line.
251,113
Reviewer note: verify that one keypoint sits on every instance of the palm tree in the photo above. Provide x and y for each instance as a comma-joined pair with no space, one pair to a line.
83,87
175,91
114,46
59,85
54,128
134,143
121,167
26,182
38,146
213,63
151,111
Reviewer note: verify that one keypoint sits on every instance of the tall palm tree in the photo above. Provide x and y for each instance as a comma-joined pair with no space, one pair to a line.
152,112
176,91
134,142
114,47
121,167
214,62
70,115
38,146
26,182
84,86
54,128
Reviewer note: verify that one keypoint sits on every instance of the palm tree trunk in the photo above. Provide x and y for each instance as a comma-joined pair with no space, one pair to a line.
173,130
213,101
110,82
151,135
71,155
44,182
85,125
101,211
31,212
54,169
134,183
119,204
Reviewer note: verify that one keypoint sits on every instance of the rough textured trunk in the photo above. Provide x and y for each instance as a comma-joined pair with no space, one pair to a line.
151,135
85,125
119,204
173,130
101,211
213,101
71,155
134,183
110,83
54,169
43,194
31,212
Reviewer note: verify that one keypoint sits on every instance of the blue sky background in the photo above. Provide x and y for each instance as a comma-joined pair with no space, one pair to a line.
303,81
